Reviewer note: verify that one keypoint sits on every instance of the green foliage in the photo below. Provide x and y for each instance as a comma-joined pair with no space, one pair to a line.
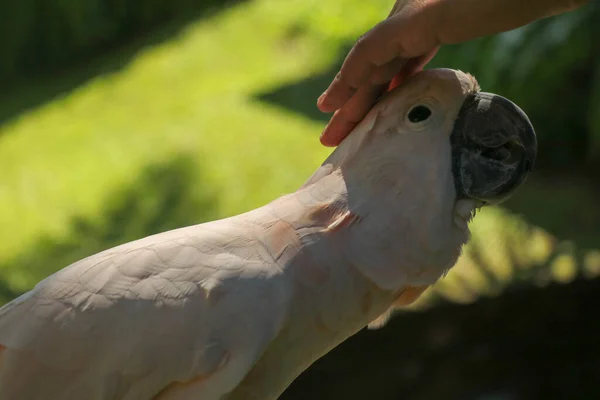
594,105
45,34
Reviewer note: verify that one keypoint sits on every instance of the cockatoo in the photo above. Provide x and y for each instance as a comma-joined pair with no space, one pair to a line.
237,308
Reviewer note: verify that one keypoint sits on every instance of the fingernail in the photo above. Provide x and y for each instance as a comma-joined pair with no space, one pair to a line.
320,99
324,140
322,135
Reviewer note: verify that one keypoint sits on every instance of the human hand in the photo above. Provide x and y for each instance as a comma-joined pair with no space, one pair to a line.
381,59
408,39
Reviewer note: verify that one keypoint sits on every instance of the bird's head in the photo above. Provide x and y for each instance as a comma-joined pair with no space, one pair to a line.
440,121
415,169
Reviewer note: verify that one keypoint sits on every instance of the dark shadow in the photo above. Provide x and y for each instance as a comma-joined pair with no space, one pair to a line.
563,203
7,293
164,197
36,88
301,97
528,344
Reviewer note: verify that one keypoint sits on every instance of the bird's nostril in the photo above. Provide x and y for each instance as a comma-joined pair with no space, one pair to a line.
501,153
508,153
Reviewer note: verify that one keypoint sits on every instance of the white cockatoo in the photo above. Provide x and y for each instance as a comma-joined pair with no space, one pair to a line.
238,308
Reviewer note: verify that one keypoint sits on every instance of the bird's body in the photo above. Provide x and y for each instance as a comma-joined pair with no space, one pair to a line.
155,314
238,308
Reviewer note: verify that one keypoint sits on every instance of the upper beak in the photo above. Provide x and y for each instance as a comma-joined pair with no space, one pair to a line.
493,148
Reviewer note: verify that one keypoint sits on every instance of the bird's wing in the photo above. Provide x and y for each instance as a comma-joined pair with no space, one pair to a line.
160,312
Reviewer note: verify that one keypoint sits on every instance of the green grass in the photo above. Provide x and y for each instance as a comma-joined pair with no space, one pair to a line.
192,96
96,166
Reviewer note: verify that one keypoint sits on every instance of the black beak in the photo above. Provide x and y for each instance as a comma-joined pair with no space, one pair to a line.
493,148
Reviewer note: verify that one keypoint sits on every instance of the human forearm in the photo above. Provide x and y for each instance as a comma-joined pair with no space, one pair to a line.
462,20
407,40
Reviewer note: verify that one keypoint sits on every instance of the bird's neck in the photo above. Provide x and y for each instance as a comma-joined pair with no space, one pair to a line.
394,235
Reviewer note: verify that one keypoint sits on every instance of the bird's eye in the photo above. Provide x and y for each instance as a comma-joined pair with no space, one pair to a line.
419,113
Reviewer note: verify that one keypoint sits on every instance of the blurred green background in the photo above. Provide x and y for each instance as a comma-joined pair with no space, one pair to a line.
119,119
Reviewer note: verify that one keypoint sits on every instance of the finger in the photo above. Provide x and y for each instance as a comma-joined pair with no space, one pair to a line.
336,130
344,86
359,105
345,119
396,7
411,67
417,64
385,73
374,49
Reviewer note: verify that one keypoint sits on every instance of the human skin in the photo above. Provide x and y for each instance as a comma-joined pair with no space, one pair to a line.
408,39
